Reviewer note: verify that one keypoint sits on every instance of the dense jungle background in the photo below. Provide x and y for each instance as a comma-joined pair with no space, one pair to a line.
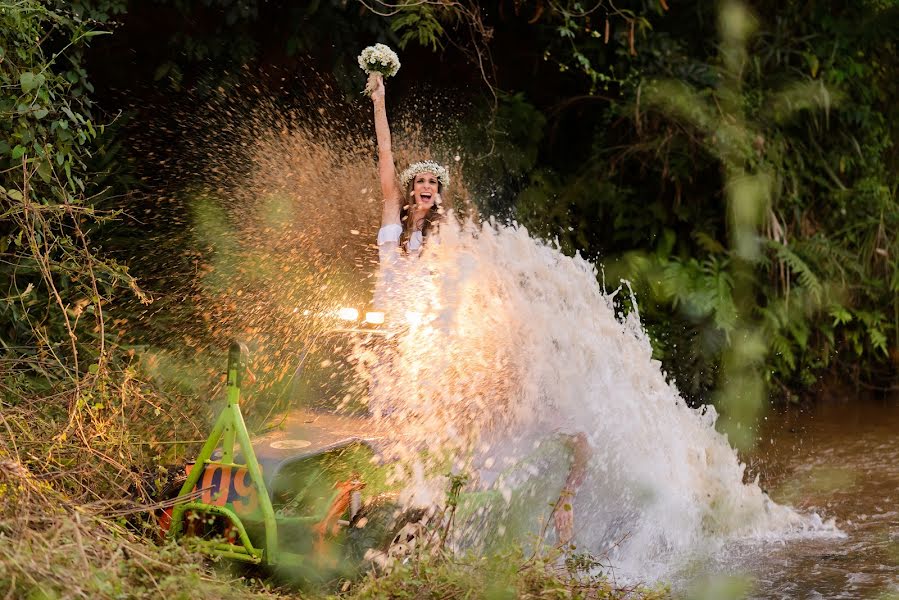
632,133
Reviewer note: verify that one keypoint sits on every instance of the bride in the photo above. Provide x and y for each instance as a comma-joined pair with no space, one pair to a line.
407,220
411,216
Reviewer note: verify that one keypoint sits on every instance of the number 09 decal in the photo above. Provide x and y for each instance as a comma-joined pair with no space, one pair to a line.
223,485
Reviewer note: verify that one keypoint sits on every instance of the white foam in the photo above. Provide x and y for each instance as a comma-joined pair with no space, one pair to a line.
519,340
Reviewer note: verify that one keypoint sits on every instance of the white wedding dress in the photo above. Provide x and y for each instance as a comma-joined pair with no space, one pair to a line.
396,273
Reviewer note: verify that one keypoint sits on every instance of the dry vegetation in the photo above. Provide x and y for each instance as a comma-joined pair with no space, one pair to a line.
75,519
70,497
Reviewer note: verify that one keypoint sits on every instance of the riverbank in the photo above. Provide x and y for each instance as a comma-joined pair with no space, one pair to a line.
65,529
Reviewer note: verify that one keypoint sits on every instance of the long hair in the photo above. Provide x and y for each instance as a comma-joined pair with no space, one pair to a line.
432,218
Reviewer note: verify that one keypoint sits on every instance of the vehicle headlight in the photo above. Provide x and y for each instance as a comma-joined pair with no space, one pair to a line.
348,314
375,317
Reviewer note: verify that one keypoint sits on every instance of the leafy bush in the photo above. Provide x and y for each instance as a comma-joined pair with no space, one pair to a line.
52,315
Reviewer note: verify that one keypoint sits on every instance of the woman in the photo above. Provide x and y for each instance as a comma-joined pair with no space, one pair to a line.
406,221
406,224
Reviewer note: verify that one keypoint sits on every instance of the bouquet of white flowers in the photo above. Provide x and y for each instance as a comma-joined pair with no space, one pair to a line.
379,59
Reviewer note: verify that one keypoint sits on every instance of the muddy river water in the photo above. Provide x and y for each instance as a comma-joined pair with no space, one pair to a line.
839,459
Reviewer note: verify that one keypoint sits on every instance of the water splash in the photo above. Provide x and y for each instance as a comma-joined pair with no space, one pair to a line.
517,342
514,344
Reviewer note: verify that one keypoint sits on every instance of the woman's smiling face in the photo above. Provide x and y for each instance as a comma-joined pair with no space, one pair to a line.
425,188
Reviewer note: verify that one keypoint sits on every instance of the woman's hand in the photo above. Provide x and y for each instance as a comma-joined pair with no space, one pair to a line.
375,86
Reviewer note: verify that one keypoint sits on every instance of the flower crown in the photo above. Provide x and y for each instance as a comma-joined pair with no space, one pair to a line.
425,166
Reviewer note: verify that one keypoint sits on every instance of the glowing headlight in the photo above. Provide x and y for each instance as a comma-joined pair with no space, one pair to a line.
348,314
374,317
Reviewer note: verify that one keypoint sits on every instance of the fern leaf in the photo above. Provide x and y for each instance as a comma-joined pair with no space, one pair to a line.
798,267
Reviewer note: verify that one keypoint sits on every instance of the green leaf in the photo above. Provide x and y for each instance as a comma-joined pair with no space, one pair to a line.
583,60
41,113
26,81
90,34
803,272
18,151
840,315
29,81
44,171
878,340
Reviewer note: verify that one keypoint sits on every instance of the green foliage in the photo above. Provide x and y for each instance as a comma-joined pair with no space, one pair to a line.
46,96
588,40
503,143
58,284
418,22
800,116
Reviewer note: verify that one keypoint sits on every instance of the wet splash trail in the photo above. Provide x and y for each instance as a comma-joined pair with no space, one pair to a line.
513,340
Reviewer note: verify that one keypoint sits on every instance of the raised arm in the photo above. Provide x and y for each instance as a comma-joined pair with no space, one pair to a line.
386,170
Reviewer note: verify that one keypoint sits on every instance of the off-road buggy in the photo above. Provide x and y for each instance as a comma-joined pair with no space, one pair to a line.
313,497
